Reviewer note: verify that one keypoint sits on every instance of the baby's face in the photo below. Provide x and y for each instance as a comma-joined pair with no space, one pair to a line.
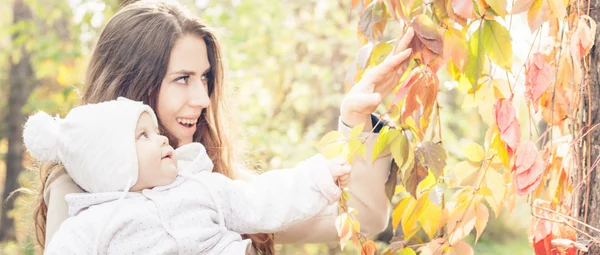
156,158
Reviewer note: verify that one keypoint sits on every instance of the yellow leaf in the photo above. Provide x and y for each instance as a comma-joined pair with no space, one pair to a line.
408,251
499,6
353,148
331,144
399,210
498,147
426,184
495,182
460,223
474,152
430,217
498,46
462,170
482,219
409,219
379,53
356,131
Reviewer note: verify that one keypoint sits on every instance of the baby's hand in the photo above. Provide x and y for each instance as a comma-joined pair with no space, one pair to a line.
340,171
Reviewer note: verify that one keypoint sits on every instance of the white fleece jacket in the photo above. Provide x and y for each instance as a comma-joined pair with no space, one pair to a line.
200,216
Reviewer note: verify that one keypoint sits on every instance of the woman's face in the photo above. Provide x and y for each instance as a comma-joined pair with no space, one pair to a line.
184,90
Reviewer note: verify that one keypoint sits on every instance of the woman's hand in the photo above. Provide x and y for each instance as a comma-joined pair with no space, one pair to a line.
375,85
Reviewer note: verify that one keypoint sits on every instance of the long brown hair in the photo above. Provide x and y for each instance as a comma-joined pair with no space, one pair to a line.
130,60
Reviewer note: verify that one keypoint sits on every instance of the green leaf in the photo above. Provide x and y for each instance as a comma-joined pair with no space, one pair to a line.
498,46
432,156
386,136
476,56
402,153
331,144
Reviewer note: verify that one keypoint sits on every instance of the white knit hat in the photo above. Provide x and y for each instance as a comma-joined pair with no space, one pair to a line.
95,143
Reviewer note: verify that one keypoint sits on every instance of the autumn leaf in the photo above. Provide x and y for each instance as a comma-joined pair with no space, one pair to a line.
411,216
402,152
430,217
408,251
583,38
538,13
433,156
482,214
474,65
456,48
528,169
462,248
508,125
499,6
331,144
399,210
463,8
461,222
413,177
539,76
497,44
369,248
379,53
372,20
494,182
422,94
344,228
385,138
521,6
474,152
428,33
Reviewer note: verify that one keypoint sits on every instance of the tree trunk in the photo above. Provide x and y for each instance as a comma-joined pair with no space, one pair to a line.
20,83
587,202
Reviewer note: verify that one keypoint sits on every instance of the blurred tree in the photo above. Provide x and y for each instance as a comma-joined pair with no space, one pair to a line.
21,81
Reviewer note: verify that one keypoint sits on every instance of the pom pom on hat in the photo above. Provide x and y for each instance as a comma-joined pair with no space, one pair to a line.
41,136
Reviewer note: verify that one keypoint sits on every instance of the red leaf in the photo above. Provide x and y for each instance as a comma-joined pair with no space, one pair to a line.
508,125
504,113
512,136
528,168
407,85
539,76
463,8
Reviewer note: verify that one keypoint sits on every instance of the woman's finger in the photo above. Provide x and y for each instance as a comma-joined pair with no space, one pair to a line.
404,41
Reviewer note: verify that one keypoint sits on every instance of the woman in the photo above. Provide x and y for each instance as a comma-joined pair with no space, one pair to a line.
157,53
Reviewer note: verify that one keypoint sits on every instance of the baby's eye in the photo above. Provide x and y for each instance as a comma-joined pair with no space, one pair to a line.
143,135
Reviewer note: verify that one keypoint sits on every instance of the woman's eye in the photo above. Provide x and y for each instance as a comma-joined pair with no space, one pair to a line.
183,79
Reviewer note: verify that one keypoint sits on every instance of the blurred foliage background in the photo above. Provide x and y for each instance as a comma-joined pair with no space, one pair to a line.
286,63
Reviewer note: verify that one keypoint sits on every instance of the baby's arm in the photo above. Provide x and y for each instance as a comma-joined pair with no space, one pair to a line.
274,200
71,238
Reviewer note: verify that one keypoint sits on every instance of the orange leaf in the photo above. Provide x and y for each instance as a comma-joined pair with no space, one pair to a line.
458,226
455,47
462,248
463,8
482,219
539,76
369,248
583,38
538,13
528,169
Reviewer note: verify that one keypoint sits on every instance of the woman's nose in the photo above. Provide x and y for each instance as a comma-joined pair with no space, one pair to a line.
198,96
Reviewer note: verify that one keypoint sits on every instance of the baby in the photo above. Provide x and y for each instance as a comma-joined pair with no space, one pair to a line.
146,198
